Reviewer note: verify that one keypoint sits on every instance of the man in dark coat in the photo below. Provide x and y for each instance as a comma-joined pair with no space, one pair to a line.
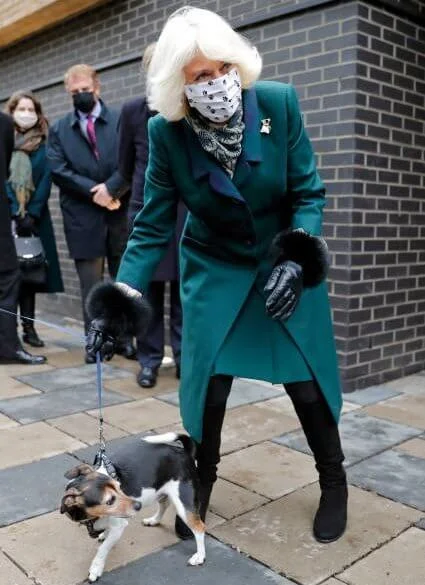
133,160
82,154
11,350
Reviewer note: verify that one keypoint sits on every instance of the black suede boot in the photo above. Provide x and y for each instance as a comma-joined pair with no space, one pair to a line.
208,451
322,435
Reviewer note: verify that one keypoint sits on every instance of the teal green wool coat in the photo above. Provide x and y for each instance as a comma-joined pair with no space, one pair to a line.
38,208
224,250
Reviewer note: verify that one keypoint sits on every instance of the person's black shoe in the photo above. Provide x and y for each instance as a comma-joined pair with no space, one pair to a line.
23,357
146,378
30,336
126,349
178,371
89,359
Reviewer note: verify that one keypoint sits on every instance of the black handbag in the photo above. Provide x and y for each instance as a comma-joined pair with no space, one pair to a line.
32,260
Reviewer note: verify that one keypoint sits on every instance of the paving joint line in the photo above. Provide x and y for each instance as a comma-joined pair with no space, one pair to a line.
18,566
372,550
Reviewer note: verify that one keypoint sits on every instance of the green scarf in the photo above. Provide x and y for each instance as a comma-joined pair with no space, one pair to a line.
20,177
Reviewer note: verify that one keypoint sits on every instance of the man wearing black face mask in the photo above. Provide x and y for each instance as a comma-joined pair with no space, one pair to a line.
82,154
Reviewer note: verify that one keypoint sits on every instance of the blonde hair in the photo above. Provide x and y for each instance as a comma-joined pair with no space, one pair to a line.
81,70
188,32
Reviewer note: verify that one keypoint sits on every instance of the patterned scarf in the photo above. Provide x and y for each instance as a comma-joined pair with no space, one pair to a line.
20,166
224,143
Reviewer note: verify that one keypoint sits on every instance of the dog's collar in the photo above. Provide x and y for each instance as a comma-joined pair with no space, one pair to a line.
102,460
89,524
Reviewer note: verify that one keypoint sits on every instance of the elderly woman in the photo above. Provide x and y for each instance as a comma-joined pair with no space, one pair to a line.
254,299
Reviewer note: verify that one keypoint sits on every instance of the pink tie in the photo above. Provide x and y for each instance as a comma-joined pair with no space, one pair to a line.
91,134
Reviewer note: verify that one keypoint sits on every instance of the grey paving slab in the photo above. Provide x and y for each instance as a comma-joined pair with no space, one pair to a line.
87,455
392,474
371,395
168,567
65,377
27,409
33,489
243,392
361,435
421,523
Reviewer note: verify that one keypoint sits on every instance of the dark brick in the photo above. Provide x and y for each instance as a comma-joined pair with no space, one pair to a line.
405,28
369,28
395,38
381,75
383,47
417,72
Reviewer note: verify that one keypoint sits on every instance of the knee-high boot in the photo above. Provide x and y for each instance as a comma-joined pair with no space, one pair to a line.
322,435
208,451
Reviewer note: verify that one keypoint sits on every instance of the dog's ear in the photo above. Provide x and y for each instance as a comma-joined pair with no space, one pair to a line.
82,469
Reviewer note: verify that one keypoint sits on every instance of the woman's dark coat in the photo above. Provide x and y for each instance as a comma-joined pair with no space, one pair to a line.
38,208
224,254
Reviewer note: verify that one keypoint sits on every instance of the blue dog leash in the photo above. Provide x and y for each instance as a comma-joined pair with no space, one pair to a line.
101,458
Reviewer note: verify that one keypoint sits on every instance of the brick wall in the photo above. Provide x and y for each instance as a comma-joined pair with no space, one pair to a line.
359,69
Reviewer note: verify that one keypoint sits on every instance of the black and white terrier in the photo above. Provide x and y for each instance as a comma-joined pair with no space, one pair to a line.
157,468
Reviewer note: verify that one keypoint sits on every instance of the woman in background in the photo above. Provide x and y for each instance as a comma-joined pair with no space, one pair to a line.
28,190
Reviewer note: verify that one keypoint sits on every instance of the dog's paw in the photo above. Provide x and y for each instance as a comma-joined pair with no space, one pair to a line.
152,521
196,559
102,536
96,571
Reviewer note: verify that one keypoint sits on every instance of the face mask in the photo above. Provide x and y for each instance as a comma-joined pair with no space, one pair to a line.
216,99
84,101
25,120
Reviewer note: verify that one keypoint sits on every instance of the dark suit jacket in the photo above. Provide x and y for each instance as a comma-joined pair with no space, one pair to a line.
133,161
8,260
75,170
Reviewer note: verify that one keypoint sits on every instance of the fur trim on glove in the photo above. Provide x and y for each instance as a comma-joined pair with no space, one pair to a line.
122,314
310,252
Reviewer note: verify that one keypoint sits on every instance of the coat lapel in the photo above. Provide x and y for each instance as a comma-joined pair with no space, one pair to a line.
204,165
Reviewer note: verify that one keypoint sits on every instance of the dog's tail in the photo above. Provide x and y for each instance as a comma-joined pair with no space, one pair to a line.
188,443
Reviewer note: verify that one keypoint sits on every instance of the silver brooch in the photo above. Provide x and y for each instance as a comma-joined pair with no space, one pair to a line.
266,126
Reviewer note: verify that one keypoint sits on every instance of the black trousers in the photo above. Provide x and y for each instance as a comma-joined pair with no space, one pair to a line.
150,347
310,405
90,272
9,293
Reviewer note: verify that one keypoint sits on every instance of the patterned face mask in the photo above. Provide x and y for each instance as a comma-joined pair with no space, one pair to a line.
216,99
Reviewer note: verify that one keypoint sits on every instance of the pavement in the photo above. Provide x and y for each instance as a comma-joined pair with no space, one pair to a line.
263,503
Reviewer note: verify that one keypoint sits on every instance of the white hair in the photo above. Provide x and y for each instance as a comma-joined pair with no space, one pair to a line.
187,33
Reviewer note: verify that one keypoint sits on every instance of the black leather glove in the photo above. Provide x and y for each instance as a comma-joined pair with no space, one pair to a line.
99,340
116,311
25,226
283,290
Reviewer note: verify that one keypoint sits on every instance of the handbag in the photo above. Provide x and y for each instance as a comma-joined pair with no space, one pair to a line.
32,260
